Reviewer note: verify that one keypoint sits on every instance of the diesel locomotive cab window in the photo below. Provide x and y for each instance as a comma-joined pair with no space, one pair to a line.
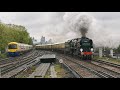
12,46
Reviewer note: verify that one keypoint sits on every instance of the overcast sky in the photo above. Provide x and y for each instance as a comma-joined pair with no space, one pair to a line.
51,24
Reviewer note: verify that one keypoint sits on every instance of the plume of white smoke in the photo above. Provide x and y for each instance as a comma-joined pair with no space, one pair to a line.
82,24
89,27
77,22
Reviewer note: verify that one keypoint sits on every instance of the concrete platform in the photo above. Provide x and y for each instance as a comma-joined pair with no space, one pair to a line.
48,58
40,71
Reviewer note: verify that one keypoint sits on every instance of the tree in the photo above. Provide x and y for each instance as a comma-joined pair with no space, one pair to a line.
13,33
117,50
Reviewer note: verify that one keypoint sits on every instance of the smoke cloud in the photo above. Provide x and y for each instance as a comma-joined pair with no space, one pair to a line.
84,24
78,23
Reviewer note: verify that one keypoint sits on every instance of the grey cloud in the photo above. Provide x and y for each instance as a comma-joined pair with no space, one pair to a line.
52,24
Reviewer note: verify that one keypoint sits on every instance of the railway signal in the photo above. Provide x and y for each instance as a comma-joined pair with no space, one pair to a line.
61,61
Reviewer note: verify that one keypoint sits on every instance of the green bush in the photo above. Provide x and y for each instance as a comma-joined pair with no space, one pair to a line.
3,56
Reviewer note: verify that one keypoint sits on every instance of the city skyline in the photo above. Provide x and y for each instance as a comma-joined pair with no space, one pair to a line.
42,41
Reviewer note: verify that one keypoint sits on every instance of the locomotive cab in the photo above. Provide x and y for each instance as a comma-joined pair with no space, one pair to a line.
12,49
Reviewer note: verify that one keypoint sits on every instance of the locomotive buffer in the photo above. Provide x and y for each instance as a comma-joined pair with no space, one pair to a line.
48,58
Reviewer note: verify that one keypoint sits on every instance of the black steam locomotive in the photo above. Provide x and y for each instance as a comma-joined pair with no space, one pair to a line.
82,47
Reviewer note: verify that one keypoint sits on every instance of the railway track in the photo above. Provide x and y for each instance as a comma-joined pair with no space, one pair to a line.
107,63
10,62
107,66
13,59
13,68
97,70
85,72
74,72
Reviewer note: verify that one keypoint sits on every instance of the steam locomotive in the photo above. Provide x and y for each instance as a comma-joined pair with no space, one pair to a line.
82,47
